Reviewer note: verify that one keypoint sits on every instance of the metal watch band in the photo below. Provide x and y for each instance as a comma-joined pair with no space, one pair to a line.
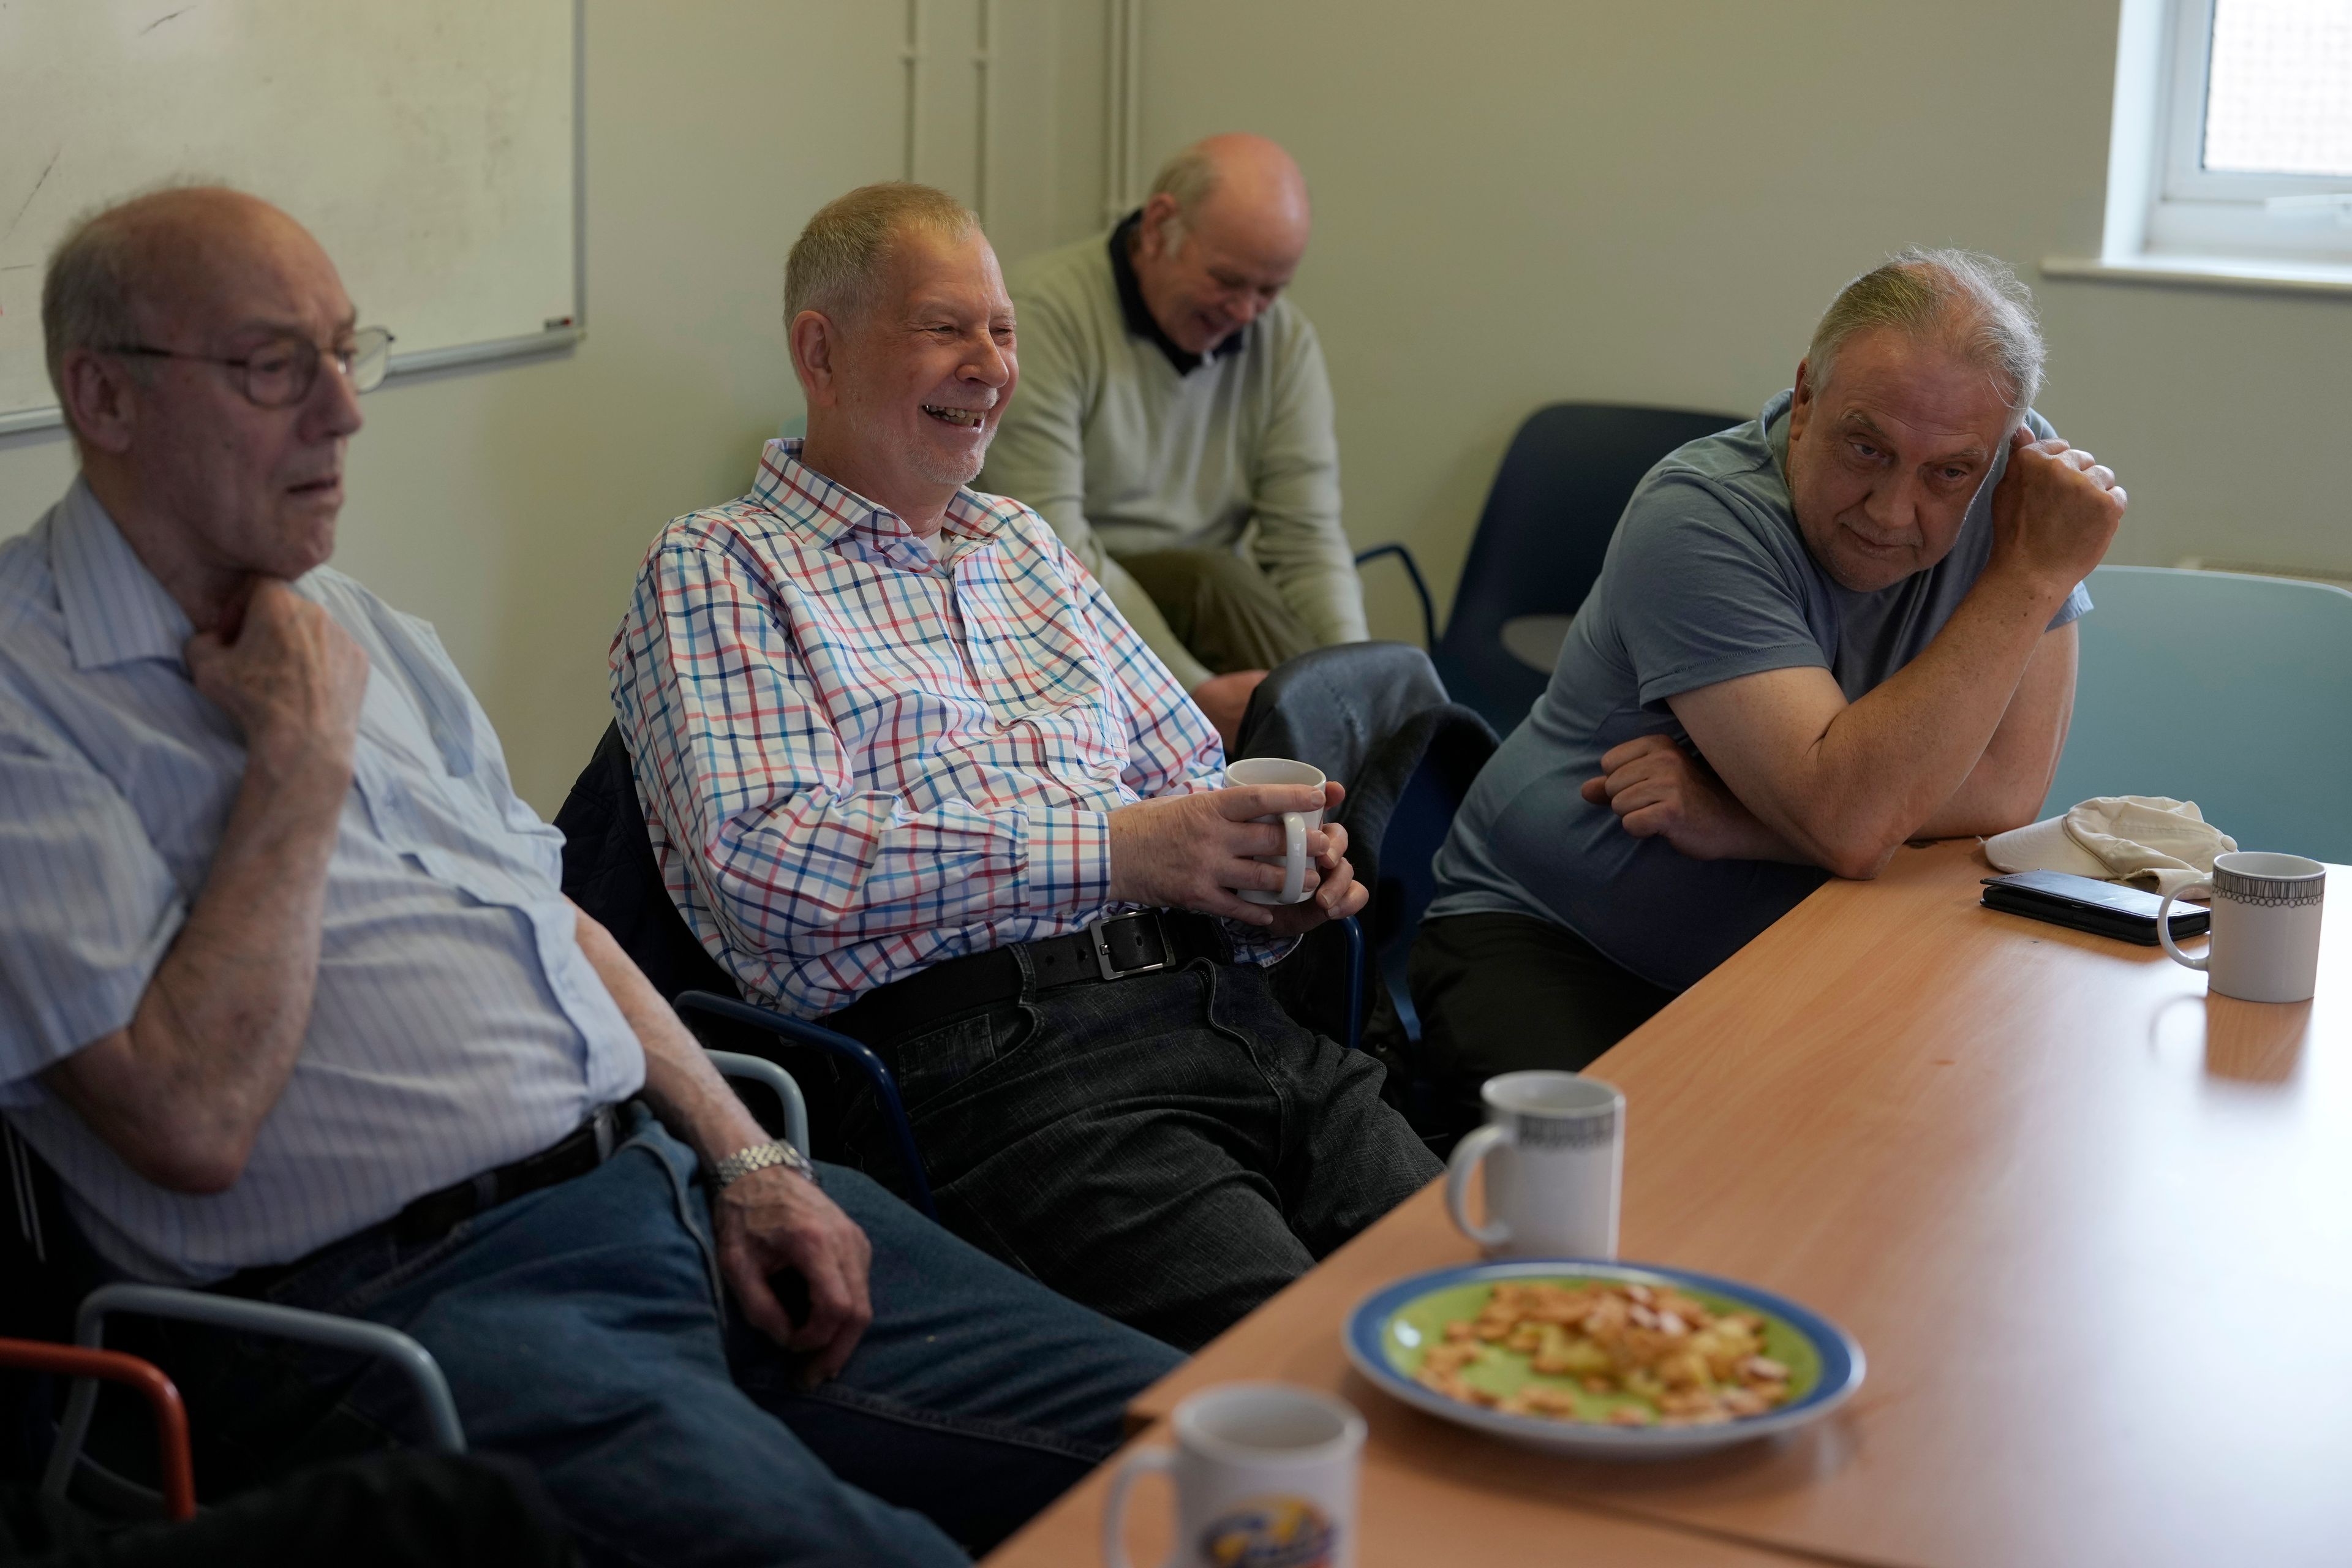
759,1157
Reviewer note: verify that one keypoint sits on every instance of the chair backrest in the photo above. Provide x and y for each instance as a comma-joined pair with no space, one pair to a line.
2231,691
1375,717
609,870
1556,500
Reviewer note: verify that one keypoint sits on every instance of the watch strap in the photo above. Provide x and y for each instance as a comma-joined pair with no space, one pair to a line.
759,1157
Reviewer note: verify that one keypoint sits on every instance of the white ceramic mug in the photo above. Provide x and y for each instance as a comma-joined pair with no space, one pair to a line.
1554,1146
1265,1473
1294,824
2266,911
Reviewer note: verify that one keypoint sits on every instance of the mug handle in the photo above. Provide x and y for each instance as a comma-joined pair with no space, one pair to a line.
1294,856
1466,1155
1114,1535
2164,929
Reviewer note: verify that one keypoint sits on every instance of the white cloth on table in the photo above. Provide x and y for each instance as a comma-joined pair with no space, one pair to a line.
2151,841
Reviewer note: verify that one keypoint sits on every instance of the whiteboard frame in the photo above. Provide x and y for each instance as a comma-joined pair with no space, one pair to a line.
531,345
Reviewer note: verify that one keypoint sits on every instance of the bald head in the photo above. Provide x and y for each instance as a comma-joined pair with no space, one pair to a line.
1222,233
189,333
1237,181
142,268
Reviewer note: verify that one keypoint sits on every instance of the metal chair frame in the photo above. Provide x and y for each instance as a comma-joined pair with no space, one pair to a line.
89,1363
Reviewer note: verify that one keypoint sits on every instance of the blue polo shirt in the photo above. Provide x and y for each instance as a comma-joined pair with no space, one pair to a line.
1706,579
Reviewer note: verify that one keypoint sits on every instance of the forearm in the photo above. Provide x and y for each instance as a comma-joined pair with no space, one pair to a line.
1886,766
685,1091
1137,608
182,1091
1308,560
2010,781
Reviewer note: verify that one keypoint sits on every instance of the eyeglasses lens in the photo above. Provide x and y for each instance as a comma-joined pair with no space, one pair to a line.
371,357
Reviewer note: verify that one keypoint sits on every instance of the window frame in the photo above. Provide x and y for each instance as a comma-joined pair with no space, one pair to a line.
2164,206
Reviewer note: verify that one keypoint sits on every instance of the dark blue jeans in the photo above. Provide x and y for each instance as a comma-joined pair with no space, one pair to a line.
583,1328
1170,1148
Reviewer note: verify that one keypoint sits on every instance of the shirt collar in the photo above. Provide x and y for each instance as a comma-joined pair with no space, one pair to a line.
791,489
115,610
1140,322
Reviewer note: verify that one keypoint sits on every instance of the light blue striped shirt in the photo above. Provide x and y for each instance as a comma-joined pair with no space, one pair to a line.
456,1024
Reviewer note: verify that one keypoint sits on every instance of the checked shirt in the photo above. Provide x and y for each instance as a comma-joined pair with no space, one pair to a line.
858,759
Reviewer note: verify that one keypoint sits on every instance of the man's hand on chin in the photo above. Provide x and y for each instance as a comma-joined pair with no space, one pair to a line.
1225,699
1660,790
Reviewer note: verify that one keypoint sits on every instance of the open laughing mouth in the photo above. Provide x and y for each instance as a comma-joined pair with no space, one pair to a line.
962,418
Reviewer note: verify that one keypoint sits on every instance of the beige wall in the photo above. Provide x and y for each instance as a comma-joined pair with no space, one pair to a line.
1515,202
511,505
1523,202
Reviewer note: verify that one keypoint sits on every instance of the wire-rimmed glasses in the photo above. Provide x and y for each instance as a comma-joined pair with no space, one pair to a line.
282,372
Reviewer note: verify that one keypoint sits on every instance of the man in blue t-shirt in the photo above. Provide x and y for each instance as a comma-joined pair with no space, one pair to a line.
1847,624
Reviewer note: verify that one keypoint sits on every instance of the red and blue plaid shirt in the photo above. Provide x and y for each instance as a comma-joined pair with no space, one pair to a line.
858,759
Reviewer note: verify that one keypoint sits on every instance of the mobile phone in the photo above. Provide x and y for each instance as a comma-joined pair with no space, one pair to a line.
2083,903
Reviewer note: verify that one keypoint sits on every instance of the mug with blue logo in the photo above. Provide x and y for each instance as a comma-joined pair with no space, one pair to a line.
1266,1477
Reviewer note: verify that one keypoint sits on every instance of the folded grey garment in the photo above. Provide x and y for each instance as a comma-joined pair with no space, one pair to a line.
2150,841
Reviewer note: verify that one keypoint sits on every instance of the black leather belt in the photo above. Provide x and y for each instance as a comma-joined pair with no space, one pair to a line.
1139,942
436,1213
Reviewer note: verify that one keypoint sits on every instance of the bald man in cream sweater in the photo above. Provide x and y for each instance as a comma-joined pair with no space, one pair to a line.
1174,424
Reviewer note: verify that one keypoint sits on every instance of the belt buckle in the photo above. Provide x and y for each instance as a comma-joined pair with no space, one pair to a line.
1102,944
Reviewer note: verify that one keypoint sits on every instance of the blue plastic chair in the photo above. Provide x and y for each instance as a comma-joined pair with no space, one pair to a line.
1555,503
2231,691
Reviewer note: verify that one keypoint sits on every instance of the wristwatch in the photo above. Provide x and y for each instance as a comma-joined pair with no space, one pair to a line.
759,1157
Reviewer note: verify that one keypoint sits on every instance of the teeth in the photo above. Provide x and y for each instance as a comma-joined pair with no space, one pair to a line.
970,417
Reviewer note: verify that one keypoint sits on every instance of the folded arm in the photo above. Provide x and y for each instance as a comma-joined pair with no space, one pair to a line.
1294,499
1958,741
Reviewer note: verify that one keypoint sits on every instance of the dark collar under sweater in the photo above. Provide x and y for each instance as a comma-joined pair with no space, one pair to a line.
1141,322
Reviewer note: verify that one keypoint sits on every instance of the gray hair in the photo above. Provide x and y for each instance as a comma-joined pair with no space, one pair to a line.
836,264
1970,302
89,295
1188,177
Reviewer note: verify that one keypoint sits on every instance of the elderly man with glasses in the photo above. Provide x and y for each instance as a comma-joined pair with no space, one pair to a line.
290,1000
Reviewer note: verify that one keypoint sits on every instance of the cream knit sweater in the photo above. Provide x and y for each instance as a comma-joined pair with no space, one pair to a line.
1122,455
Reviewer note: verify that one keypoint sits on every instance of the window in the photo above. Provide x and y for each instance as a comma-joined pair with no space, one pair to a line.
2233,149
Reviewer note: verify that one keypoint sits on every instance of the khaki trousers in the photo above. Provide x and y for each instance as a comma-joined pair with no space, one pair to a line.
1222,607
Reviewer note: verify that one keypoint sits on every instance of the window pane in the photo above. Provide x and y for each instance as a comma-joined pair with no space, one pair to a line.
2279,100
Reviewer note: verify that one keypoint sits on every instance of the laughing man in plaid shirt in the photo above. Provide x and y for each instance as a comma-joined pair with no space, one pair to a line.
899,756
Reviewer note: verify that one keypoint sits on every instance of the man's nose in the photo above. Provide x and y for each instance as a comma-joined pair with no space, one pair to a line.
333,408
988,365
1892,507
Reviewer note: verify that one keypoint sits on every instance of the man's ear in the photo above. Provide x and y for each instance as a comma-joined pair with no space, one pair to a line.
814,341
1152,232
1801,402
100,403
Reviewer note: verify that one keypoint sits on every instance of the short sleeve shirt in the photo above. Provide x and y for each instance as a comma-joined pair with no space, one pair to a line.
455,1026
1706,579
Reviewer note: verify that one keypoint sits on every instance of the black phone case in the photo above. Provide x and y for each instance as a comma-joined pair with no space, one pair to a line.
2079,903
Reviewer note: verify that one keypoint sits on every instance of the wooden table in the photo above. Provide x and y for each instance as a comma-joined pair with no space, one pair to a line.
1408,1517
2092,1229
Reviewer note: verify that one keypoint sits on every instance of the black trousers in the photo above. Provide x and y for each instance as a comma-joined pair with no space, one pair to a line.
1169,1149
1501,993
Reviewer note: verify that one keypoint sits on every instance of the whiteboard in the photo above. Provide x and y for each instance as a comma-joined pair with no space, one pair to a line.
431,145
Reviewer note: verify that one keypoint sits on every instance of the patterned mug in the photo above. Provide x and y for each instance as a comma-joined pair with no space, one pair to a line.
2266,913
1554,1149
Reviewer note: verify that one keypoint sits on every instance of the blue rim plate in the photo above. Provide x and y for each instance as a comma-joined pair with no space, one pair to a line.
1371,1339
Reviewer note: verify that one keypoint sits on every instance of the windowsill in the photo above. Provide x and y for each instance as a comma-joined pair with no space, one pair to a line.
2201,272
